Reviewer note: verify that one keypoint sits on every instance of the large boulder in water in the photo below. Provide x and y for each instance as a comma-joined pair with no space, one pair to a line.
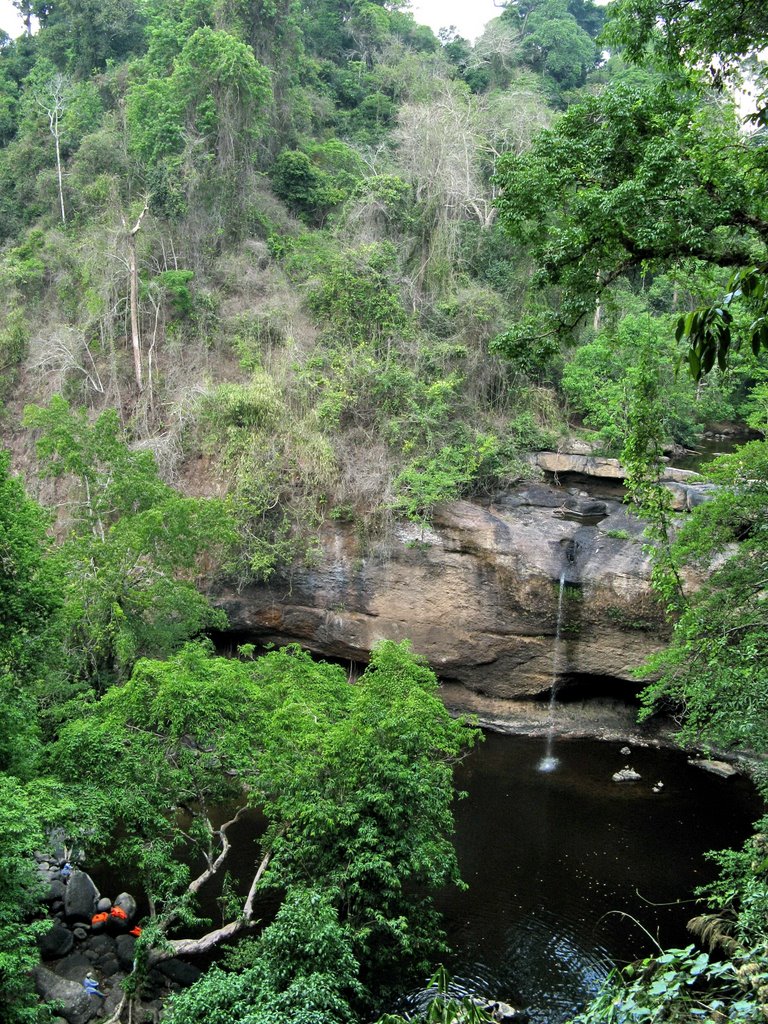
75,1005
81,897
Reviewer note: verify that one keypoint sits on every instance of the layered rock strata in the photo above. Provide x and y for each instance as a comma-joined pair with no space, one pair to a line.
478,592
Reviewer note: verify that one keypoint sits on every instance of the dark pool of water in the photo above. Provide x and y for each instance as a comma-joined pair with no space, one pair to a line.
554,860
707,449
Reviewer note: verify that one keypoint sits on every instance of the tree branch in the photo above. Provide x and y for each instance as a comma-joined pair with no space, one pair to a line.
195,947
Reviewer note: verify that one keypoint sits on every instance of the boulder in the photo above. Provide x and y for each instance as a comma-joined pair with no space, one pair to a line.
180,971
584,465
499,1011
101,944
113,1000
126,903
125,946
57,942
626,774
74,1003
56,891
74,967
721,768
104,905
81,897
108,965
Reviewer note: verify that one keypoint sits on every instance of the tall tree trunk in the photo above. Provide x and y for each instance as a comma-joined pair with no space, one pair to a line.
58,169
133,273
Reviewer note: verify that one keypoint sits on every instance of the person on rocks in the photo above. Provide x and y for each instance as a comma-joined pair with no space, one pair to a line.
91,986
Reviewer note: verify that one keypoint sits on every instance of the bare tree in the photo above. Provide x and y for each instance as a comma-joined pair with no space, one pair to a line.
133,274
52,99
64,354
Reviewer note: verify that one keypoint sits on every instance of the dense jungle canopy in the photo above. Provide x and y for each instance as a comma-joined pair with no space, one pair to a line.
267,264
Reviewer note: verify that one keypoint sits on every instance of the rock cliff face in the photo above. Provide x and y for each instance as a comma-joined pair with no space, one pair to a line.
478,593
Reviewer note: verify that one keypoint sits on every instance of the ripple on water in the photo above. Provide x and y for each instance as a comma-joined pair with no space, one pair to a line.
561,863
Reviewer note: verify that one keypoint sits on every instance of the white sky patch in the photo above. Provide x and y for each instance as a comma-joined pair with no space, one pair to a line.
10,21
469,16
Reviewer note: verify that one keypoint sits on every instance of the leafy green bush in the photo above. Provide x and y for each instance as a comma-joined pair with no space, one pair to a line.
357,300
600,379
678,985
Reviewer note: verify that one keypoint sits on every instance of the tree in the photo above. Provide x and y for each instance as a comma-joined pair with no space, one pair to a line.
602,378
723,35
81,36
647,176
554,42
134,550
133,276
25,809
52,99
729,40
301,969
27,583
355,780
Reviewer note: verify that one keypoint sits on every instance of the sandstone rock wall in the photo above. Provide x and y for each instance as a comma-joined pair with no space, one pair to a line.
478,593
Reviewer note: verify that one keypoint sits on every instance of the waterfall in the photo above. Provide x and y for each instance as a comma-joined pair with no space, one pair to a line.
549,762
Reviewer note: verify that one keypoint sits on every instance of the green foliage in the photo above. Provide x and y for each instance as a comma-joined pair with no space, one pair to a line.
357,298
601,379
709,330
312,183
714,670
555,43
681,33
426,483
135,549
24,809
278,466
14,343
216,93
605,193
24,267
173,285
677,985
755,407
28,585
83,35
301,970
642,458
380,797
442,1007
306,189
361,773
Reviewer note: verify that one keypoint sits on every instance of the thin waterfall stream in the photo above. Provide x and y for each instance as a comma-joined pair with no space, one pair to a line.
549,762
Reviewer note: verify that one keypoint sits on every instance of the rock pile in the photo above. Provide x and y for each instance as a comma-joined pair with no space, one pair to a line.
91,933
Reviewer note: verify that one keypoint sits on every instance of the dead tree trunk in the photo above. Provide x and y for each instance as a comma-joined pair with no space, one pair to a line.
133,273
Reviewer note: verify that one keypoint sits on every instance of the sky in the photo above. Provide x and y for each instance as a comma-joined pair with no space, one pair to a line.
9,19
469,16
